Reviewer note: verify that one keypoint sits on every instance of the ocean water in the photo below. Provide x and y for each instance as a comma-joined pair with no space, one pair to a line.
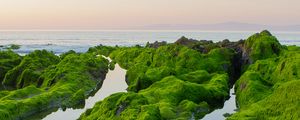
80,41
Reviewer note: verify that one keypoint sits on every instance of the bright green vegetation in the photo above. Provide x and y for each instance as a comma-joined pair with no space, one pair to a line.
44,81
170,98
169,82
101,50
8,60
190,78
147,65
183,80
260,46
30,69
269,88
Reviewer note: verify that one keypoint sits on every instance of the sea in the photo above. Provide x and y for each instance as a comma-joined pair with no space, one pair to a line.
60,41
80,41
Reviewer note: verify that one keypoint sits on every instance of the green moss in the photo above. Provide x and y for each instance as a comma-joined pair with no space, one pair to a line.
30,68
77,98
149,112
174,90
185,80
147,65
22,93
268,89
261,46
173,81
65,84
283,103
200,76
101,50
63,55
191,110
125,57
8,60
117,106
168,98
251,89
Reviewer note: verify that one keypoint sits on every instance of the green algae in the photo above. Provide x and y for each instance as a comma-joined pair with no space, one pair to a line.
65,84
30,68
147,65
169,98
261,46
63,55
188,79
8,60
269,88
199,76
283,103
101,50
158,92
184,80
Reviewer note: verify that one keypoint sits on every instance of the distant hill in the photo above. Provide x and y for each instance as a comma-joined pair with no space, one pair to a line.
222,26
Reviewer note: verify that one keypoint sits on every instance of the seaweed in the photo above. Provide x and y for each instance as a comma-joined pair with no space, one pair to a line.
63,84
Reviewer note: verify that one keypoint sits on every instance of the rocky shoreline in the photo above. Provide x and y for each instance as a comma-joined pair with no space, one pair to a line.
183,80
43,81
190,78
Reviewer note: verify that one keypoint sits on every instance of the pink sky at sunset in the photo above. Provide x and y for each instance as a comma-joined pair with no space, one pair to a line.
110,14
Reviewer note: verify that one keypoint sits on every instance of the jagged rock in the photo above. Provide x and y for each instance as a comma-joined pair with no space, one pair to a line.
185,41
260,46
156,44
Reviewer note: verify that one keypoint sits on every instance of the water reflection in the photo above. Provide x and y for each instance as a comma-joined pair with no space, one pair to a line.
229,107
113,83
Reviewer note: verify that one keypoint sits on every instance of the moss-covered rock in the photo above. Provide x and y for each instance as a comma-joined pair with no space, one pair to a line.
174,81
268,89
65,84
101,50
182,80
63,55
147,65
8,60
261,46
170,98
283,103
30,68
189,78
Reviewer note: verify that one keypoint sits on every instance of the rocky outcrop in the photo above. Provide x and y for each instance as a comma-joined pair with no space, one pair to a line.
185,41
156,44
260,46
8,60
168,82
182,80
173,81
64,84
30,68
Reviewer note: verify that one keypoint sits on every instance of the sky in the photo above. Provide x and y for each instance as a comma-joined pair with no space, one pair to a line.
111,14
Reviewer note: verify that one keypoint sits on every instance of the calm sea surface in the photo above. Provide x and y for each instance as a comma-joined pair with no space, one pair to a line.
80,41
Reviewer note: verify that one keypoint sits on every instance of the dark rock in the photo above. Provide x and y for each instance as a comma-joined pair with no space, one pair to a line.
156,44
121,108
185,41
